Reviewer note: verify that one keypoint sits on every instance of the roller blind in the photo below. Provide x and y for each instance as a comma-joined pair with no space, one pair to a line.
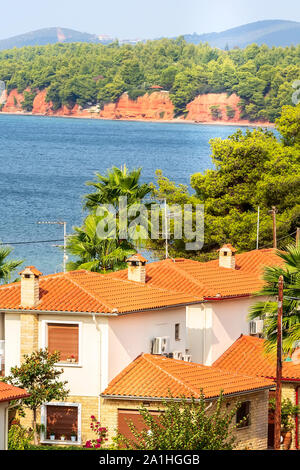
62,420
65,339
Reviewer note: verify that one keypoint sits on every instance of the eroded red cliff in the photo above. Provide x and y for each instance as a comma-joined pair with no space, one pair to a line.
214,107
153,106
156,106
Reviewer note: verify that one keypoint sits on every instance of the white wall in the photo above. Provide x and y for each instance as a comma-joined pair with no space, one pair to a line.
229,321
83,380
3,406
199,332
130,335
12,341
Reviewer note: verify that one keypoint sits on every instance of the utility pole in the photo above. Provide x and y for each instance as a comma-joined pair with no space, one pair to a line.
166,230
60,222
257,232
279,367
274,212
298,237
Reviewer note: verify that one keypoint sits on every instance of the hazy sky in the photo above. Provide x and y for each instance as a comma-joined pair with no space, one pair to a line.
138,18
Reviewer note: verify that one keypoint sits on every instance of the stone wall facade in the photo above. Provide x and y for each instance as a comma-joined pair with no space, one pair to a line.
254,437
29,333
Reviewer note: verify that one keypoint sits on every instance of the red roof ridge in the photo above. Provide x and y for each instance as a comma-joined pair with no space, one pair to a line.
185,274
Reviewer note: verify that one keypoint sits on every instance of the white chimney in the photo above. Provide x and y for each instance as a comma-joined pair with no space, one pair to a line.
227,257
137,268
30,289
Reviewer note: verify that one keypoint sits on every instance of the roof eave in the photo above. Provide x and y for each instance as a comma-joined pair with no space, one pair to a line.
160,399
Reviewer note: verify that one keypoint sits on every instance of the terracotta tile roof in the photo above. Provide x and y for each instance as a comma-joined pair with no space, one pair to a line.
84,291
208,280
9,392
247,355
151,376
168,283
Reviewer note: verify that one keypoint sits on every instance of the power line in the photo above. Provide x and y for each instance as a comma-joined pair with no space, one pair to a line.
31,242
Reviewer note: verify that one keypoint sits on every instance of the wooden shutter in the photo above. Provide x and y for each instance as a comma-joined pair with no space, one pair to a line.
62,420
134,416
65,339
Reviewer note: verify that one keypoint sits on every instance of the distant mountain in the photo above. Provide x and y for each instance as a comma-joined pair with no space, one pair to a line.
45,36
269,32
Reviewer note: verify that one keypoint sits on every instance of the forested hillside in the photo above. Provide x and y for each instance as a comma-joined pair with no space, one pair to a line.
86,74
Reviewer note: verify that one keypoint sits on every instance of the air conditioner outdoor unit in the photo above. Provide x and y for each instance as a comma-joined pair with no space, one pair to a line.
177,355
160,345
256,327
187,357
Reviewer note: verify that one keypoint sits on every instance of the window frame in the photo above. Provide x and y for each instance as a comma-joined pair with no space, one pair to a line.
43,434
67,322
177,337
247,424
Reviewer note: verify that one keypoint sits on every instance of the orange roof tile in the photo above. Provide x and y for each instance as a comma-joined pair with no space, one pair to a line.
168,283
247,355
32,269
137,257
84,291
150,376
9,392
208,280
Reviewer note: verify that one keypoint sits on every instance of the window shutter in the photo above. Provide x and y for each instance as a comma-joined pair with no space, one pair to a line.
62,420
65,339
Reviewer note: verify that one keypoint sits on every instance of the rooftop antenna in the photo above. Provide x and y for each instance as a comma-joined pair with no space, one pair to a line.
59,222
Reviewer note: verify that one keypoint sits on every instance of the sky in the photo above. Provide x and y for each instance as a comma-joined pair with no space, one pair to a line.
140,19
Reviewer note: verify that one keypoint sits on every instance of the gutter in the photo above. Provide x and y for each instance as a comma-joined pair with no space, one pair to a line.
101,314
160,399
232,297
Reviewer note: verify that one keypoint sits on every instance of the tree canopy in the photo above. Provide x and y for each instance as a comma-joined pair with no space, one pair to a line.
251,169
86,74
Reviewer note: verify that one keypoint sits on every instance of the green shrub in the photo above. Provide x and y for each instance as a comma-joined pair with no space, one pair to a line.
19,438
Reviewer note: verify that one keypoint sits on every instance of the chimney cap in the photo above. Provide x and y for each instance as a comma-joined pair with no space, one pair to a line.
228,246
31,270
137,257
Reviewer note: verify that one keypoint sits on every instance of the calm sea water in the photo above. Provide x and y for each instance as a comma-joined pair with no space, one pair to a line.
46,161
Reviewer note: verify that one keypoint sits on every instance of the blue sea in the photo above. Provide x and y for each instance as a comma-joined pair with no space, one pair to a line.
45,162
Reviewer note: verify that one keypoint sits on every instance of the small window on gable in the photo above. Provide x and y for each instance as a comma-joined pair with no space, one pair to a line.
177,332
243,415
64,337
225,253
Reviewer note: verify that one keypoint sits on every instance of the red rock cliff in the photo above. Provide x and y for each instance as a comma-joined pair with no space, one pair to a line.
13,102
200,108
156,105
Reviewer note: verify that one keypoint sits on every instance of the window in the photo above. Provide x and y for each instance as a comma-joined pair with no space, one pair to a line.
62,422
243,415
177,332
64,337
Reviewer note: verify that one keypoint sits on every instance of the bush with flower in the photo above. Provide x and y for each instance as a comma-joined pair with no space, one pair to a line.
101,435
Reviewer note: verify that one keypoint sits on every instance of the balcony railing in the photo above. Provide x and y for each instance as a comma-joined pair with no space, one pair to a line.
2,357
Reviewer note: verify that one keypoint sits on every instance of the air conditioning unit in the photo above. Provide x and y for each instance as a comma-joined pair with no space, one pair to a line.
256,327
187,357
177,355
160,345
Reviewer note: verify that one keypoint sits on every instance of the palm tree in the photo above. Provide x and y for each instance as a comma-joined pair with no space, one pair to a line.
94,253
117,182
291,304
7,267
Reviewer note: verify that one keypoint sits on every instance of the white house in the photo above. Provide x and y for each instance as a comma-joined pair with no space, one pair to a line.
8,393
101,323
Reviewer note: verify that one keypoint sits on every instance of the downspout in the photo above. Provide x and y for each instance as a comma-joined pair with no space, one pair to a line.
297,420
99,362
